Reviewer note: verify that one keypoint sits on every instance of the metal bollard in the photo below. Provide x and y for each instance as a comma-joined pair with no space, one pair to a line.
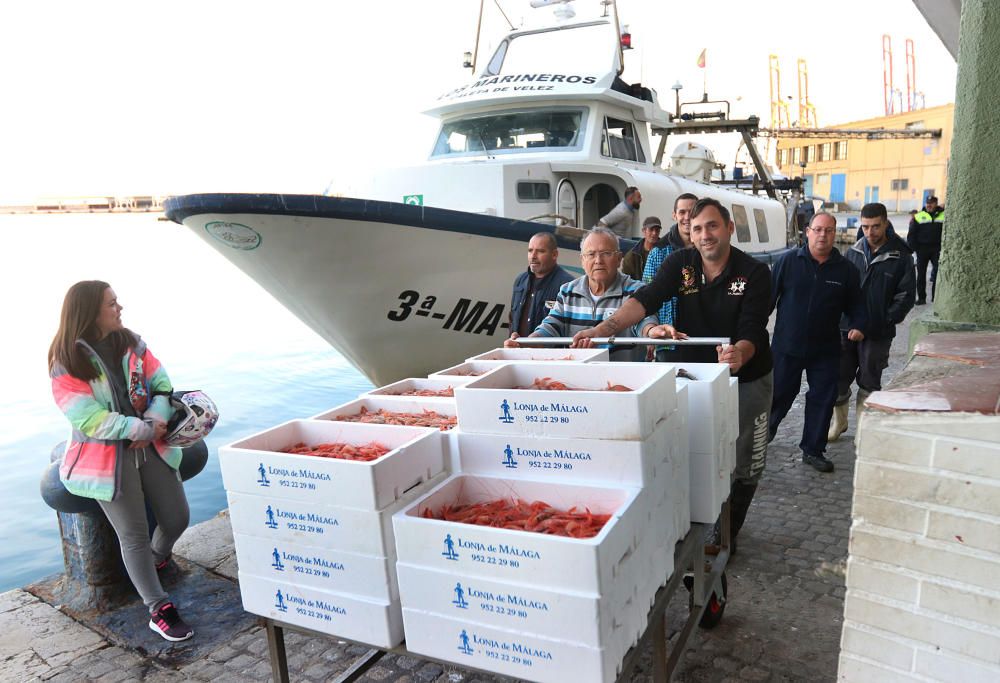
95,577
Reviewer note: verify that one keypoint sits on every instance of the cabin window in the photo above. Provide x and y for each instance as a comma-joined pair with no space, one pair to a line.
619,141
533,191
761,221
742,224
900,184
826,151
511,132
840,150
493,67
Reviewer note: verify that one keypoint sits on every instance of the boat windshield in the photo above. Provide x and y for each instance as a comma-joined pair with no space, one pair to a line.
508,132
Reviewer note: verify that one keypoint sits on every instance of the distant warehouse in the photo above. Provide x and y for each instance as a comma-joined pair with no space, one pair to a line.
900,173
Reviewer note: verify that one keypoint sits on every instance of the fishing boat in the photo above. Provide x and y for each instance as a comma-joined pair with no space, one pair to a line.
415,274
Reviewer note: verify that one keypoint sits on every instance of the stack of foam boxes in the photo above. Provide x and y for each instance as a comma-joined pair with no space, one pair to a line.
713,425
535,606
314,538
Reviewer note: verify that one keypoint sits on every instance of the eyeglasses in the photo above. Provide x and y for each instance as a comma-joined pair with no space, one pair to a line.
824,231
591,255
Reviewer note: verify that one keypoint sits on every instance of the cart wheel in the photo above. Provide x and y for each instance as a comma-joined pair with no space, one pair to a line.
716,606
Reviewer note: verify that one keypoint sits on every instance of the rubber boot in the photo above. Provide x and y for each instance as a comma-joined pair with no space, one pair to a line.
838,425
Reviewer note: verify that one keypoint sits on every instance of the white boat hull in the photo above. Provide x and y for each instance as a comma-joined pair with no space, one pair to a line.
400,291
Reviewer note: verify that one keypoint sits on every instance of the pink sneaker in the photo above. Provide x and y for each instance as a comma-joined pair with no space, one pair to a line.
168,623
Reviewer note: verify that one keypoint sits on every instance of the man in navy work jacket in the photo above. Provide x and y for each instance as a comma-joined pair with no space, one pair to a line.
721,292
887,286
536,288
812,287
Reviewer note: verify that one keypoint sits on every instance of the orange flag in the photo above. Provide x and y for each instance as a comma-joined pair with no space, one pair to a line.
701,59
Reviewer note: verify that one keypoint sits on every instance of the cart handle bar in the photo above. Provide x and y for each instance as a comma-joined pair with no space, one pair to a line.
626,341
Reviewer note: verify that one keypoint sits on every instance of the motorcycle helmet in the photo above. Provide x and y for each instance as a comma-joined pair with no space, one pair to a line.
194,417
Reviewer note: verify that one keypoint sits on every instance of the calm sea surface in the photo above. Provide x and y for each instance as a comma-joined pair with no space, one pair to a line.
212,327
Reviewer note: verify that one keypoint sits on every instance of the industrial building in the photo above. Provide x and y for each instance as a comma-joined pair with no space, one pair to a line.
856,169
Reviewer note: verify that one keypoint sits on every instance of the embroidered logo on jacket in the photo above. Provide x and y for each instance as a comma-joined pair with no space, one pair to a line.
688,280
737,286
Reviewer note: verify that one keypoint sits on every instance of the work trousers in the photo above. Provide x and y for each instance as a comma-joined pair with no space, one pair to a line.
146,478
821,376
926,255
751,441
863,362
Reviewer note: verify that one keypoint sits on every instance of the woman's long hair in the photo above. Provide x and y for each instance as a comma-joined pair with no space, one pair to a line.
78,320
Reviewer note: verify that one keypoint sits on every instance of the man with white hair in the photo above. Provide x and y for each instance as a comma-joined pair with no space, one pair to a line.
594,297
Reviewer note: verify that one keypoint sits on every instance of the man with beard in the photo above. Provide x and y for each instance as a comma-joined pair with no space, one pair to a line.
621,219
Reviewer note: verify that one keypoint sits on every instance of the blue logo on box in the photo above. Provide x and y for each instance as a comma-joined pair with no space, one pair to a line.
464,648
508,460
279,602
449,549
271,523
277,561
263,480
460,600
505,416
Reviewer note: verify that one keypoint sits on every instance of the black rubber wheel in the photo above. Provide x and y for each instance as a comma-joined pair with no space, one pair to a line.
716,607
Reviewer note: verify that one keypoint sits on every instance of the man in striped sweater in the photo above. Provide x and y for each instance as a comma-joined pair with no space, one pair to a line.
591,299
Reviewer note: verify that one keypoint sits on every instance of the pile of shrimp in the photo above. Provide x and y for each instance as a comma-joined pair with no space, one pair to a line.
449,391
538,517
549,384
342,451
428,418
469,373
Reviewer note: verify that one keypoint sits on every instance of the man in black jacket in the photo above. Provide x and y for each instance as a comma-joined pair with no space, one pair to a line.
721,292
535,289
924,238
812,287
887,286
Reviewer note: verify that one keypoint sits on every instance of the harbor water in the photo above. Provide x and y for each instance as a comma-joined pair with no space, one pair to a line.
213,328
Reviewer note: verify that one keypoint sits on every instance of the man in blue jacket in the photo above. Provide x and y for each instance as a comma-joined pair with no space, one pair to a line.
887,286
812,287
535,289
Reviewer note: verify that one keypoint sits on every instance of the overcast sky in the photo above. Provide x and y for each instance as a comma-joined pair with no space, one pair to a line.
223,95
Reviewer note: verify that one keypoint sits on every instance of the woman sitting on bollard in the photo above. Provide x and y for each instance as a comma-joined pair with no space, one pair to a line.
116,396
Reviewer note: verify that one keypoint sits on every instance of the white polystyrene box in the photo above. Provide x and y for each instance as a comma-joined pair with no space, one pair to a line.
492,405
403,404
584,565
275,520
568,460
396,389
563,615
734,408
463,373
256,465
320,567
510,653
373,622
529,354
396,404
709,403
709,486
